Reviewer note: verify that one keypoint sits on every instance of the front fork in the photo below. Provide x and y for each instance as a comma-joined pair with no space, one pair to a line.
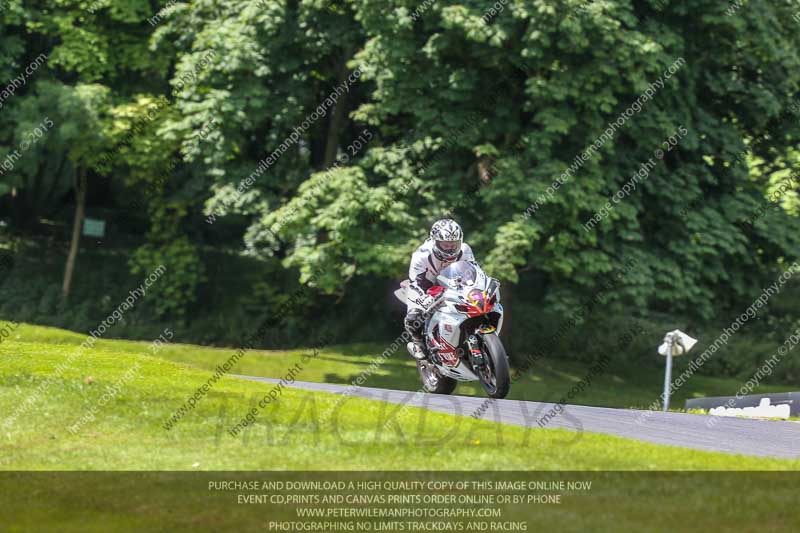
474,350
475,345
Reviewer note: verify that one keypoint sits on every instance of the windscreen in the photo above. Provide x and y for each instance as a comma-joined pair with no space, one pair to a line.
461,271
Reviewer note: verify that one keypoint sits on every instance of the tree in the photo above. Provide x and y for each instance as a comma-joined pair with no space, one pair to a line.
62,122
275,64
527,91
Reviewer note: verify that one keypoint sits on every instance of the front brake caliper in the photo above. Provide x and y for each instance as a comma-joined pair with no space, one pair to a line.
475,352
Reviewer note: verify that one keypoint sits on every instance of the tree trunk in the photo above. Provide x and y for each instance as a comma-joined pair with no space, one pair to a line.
337,120
80,204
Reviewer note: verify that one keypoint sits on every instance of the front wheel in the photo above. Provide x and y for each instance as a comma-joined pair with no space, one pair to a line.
433,381
494,375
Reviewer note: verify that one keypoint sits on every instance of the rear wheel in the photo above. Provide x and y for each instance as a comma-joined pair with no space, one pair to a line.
433,381
494,375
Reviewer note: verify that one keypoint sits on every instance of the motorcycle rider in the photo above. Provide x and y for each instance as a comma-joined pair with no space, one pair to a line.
444,246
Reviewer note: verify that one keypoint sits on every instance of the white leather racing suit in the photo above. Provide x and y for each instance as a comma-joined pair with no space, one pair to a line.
422,276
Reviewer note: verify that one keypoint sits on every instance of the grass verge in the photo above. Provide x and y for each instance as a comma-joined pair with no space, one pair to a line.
549,380
302,430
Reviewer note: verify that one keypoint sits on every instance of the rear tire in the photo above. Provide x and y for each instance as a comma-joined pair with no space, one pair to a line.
434,382
498,363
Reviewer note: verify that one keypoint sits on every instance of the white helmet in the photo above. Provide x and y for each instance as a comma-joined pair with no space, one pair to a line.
446,235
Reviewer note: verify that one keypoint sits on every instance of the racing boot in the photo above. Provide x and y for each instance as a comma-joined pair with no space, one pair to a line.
416,347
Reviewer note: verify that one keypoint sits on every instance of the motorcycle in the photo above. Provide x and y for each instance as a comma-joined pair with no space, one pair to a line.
461,332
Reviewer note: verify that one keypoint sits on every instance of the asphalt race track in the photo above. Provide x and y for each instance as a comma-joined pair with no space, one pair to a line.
764,438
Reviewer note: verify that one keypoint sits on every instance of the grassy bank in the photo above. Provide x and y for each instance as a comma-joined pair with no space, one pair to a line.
617,385
300,431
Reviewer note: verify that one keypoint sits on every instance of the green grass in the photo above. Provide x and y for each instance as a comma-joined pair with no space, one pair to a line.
293,433
632,386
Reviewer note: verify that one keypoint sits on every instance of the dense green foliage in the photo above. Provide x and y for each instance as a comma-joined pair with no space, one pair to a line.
327,135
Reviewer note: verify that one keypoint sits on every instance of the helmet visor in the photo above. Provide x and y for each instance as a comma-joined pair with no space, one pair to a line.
449,248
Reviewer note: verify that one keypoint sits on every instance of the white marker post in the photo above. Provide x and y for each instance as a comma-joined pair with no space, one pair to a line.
675,343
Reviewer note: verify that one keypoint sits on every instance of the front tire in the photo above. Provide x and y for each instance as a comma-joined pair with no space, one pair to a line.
495,376
434,382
